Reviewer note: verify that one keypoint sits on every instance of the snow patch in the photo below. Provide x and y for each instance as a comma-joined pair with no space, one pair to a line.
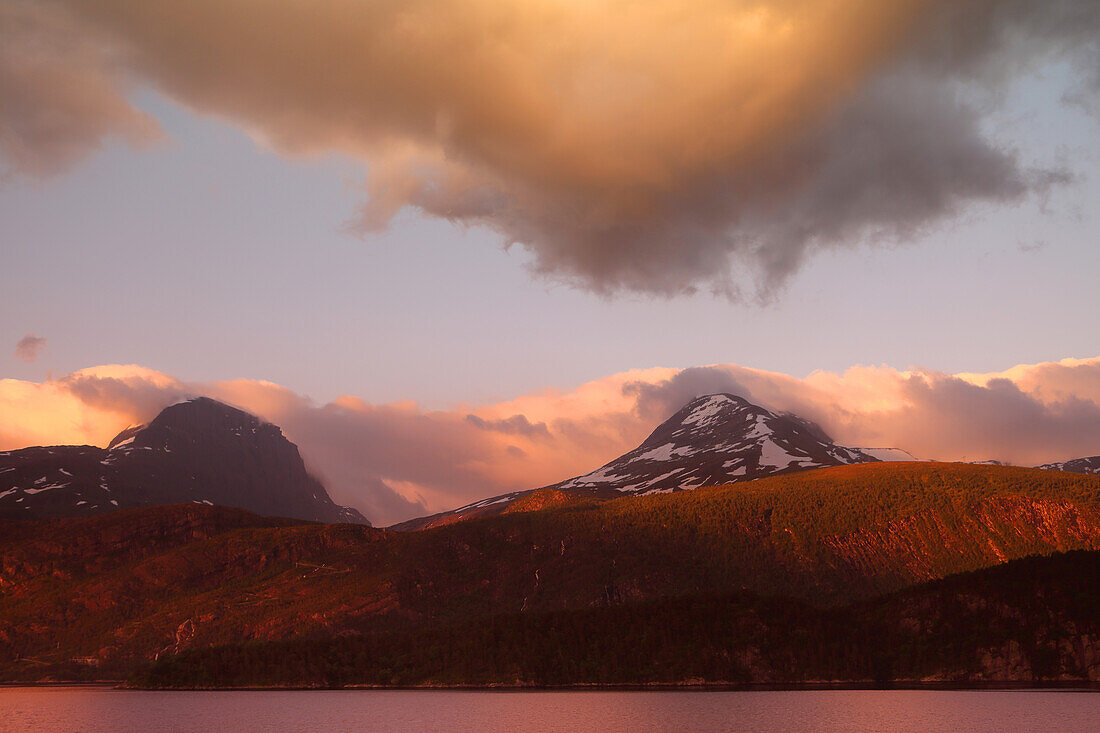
486,502
707,410
660,453
46,488
600,475
662,477
773,454
760,428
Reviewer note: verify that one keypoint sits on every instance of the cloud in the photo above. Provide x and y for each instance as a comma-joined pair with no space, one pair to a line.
29,348
653,399
61,92
658,147
1027,415
394,461
514,425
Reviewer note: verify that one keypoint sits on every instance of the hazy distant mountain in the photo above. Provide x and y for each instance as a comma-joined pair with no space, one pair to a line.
200,451
714,439
1077,465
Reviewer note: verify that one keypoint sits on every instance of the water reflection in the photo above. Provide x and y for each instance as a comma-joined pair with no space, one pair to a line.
103,709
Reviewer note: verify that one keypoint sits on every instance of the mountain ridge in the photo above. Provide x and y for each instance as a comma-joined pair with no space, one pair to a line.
1089,464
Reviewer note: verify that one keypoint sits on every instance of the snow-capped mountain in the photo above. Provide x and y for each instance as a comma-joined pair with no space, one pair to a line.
200,451
718,439
1077,465
714,439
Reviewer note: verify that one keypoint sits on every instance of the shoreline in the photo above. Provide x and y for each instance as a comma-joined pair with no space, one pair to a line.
915,685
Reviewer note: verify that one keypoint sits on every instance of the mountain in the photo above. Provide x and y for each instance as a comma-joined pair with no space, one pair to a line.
718,439
1077,465
714,439
103,596
199,451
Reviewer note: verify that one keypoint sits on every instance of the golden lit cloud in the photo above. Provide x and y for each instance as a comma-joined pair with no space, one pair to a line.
652,146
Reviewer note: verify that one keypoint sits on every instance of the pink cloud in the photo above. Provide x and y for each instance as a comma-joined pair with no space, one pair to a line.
395,461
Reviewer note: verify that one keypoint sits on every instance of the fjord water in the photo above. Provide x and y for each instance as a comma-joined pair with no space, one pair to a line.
94,709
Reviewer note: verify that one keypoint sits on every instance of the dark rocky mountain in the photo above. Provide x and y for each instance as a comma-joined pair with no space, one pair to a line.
1077,465
200,451
714,439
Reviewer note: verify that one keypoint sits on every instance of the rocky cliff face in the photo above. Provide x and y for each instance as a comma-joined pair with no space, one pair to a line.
200,451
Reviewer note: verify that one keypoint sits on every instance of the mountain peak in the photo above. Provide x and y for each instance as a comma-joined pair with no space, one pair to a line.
713,408
715,439
205,408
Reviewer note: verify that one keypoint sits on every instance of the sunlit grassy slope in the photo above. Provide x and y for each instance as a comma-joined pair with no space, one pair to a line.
118,589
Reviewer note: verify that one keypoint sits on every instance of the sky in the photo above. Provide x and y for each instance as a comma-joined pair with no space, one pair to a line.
453,208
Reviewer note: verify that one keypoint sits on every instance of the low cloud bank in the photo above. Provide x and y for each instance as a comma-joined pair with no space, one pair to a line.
394,461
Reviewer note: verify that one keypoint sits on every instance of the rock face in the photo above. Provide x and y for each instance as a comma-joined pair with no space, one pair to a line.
714,439
200,451
1077,465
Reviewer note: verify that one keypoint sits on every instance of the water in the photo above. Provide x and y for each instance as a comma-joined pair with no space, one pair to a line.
92,709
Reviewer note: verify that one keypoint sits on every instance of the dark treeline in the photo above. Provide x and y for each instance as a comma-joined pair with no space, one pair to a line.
1036,619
